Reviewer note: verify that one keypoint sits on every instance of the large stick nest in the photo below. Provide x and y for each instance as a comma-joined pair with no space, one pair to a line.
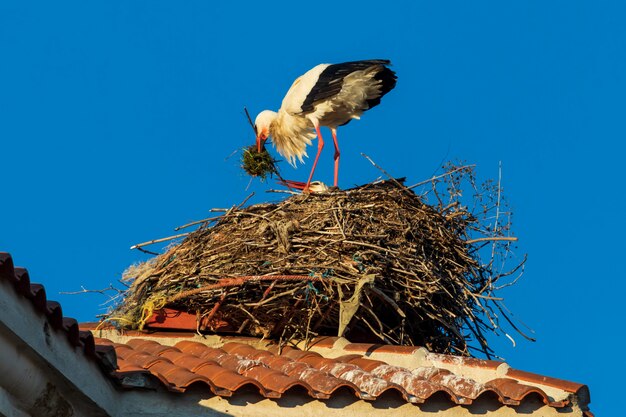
374,263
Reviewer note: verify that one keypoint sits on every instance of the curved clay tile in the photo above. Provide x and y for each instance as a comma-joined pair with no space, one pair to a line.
143,359
276,381
37,296
191,347
511,389
177,376
227,379
365,381
187,361
150,346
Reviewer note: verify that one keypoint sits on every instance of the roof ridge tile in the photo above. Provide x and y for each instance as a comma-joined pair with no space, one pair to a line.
19,279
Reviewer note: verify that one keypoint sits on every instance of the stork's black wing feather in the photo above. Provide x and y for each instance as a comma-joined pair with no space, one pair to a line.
331,79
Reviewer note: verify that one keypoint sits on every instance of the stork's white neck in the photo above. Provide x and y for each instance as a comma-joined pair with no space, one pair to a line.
291,135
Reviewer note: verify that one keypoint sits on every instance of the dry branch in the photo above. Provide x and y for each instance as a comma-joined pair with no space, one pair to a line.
163,239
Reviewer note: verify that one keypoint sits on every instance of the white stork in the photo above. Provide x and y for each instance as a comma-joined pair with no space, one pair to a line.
327,95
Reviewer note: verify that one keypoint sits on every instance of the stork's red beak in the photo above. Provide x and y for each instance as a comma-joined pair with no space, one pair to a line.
260,142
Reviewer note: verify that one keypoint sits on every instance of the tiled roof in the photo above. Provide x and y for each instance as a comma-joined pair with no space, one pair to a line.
36,293
180,361
241,363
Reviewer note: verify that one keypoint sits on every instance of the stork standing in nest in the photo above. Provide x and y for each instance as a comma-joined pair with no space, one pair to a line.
328,95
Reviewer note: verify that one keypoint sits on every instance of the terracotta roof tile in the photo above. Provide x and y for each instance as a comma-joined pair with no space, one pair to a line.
125,366
150,346
276,381
88,342
274,372
325,341
369,384
364,363
37,296
54,314
415,386
193,363
227,379
193,348
21,280
516,392
178,376
364,348
460,386
463,361
144,359
546,380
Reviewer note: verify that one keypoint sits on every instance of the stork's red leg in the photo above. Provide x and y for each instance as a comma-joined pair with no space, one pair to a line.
337,154
320,146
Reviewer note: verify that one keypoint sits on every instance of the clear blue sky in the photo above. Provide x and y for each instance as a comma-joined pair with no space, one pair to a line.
117,119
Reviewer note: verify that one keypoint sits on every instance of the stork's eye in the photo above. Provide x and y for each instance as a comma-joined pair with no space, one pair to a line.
256,131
